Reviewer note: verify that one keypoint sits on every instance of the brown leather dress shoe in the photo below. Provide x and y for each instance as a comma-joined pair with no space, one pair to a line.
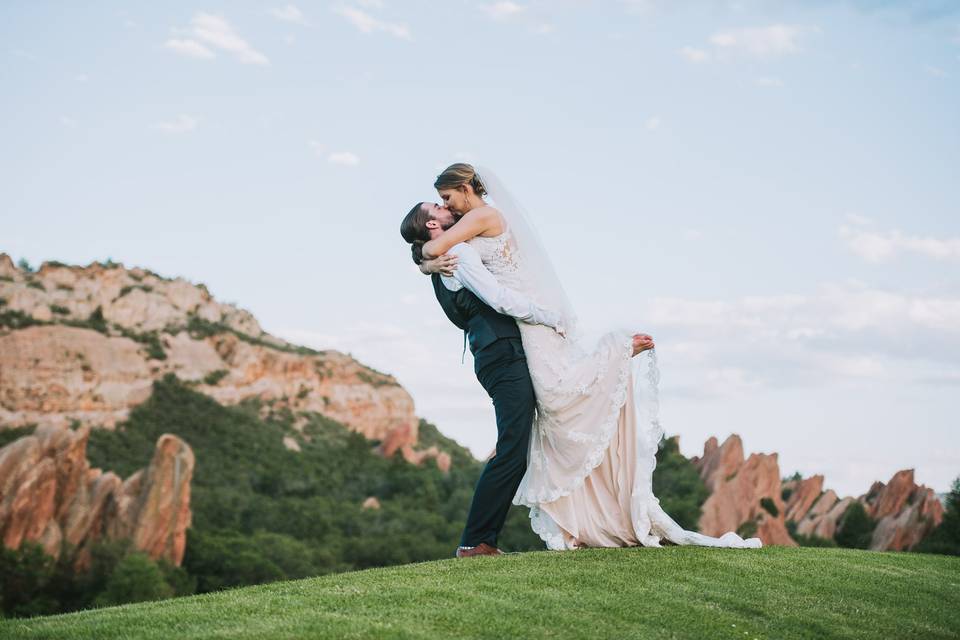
482,549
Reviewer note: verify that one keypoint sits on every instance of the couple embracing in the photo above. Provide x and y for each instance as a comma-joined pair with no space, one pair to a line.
577,424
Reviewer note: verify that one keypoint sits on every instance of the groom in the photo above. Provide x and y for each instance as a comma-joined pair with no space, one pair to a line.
486,311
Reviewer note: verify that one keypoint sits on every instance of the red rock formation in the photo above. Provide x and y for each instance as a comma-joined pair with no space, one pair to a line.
823,524
802,496
905,512
49,494
54,373
737,486
442,458
399,440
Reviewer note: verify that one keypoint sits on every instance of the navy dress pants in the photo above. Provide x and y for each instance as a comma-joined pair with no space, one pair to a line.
501,368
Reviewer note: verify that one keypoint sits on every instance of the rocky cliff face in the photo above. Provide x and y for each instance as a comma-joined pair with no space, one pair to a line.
905,511
744,494
86,344
50,495
751,491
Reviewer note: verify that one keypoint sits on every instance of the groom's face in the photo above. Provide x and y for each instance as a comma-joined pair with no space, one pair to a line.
442,216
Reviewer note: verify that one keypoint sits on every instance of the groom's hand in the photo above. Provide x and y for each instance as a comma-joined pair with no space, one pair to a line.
444,265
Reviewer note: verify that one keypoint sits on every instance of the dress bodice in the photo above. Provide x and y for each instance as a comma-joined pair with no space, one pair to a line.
500,256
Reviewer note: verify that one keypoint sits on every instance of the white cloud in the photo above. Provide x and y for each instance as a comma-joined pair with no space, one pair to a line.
694,55
653,123
344,158
502,10
190,48
68,122
81,77
759,42
936,72
773,40
875,246
843,332
289,13
182,124
209,30
368,24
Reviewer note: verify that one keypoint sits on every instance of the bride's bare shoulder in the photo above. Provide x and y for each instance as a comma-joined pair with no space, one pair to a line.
486,219
486,211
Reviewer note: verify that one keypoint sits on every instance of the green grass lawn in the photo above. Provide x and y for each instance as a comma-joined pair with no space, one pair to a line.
674,592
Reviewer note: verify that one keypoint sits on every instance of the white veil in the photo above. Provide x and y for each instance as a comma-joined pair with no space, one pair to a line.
546,286
548,291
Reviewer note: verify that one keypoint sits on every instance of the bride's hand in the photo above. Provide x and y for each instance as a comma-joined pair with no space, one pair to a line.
561,331
642,342
444,265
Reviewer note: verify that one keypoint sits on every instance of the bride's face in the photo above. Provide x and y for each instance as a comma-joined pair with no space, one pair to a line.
455,200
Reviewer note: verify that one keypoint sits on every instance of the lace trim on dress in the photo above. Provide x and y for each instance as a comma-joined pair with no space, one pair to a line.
595,457
544,526
558,388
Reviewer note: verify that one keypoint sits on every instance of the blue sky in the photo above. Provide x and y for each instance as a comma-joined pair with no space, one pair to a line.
770,188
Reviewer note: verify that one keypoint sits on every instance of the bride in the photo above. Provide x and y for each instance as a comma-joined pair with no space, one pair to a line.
589,478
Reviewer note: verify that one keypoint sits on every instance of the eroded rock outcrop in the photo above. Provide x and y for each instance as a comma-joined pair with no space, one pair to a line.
745,491
86,344
50,495
905,512
744,496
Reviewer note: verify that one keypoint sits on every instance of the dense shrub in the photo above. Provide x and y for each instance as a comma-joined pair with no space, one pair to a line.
769,506
855,528
677,484
808,541
33,583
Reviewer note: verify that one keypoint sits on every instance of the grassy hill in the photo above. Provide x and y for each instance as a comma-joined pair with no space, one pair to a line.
676,592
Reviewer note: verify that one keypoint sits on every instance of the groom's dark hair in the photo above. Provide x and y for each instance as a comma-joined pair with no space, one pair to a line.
414,230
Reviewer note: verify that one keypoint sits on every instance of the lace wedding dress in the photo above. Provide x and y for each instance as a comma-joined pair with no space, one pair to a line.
589,478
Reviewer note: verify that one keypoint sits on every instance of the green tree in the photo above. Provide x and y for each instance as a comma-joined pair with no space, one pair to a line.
677,484
855,528
136,578
24,576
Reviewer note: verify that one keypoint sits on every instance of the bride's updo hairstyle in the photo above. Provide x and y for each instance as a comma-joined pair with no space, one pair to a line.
414,230
460,174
